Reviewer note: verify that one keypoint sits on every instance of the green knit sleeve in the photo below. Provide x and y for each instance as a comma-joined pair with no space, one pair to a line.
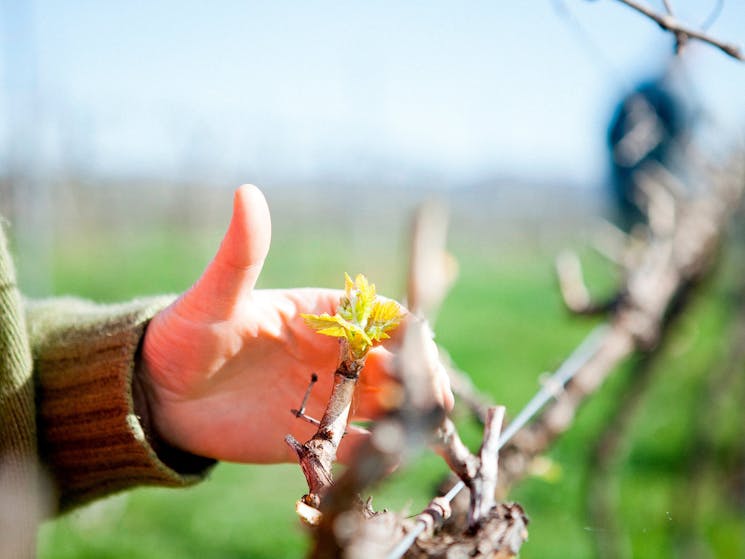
20,502
92,422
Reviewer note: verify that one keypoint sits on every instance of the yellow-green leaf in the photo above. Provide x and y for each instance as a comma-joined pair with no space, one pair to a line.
361,318
388,313
348,284
377,334
327,324
365,289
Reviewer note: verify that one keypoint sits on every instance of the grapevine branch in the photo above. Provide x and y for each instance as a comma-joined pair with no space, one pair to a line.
317,456
393,438
549,390
349,527
479,474
672,263
679,251
670,267
601,488
300,413
682,32
361,320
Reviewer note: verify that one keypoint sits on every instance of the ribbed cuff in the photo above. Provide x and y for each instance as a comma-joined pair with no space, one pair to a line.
90,434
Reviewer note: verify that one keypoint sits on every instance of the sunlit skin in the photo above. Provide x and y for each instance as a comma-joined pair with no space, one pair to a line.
225,363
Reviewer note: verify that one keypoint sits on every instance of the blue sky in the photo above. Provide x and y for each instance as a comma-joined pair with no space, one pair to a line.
300,89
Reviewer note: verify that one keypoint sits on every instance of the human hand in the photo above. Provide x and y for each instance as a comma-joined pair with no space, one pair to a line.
223,365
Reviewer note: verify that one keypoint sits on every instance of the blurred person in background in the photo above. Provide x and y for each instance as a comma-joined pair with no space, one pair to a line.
155,391
649,128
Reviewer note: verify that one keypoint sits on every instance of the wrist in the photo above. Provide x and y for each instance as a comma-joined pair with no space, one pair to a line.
145,408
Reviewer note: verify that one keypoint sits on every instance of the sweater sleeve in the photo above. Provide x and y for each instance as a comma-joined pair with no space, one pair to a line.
92,420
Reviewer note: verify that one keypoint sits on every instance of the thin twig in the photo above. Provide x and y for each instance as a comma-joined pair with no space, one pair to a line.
484,486
313,381
618,247
683,32
573,290
300,413
457,456
313,421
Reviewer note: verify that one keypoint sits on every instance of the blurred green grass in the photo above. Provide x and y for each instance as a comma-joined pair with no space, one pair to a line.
503,323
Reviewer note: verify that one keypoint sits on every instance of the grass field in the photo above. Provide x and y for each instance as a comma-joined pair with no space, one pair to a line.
505,325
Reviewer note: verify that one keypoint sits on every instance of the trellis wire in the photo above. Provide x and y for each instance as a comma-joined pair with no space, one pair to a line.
579,357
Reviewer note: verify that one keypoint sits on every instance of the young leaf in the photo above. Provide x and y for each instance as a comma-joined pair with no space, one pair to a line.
361,318
327,325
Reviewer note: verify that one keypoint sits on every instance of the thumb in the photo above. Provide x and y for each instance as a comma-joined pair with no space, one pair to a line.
233,272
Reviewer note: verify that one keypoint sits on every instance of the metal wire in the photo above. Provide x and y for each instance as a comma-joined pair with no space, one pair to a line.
579,357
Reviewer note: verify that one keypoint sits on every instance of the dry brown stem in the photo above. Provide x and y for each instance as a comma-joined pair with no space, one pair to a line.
352,529
478,473
345,524
459,459
318,455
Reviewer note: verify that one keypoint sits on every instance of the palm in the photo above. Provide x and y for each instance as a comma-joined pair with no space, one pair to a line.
233,390
225,364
